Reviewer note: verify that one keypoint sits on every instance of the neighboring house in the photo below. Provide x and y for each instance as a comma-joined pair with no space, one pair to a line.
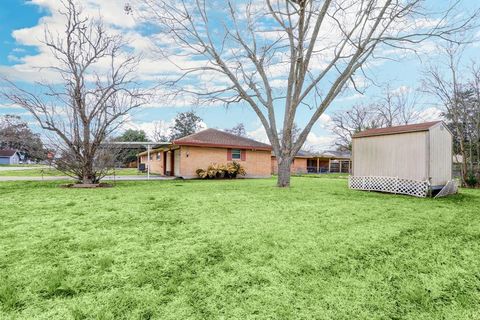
412,159
9,157
184,156
324,162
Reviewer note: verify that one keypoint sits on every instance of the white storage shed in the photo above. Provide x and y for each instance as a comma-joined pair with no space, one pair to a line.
410,159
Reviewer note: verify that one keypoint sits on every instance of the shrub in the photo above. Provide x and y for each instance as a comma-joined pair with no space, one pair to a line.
220,171
471,180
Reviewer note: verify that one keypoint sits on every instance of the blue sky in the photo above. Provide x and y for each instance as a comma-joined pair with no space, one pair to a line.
21,23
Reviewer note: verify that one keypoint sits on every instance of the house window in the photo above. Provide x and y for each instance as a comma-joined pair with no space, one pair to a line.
236,154
151,157
158,156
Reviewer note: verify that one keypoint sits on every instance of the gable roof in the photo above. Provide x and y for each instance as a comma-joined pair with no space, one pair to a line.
218,138
7,153
396,130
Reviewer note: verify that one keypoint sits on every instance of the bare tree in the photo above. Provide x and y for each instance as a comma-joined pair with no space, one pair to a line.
160,133
393,107
396,107
283,56
96,92
475,118
238,130
459,98
346,124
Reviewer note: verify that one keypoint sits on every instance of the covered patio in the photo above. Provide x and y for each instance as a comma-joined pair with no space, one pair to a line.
328,162
328,165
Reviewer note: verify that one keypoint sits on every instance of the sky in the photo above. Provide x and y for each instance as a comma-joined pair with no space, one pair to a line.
22,25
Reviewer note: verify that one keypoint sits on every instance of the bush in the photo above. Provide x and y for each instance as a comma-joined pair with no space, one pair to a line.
222,171
471,180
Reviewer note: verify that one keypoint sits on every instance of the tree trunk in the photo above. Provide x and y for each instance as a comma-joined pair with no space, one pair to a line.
88,175
284,165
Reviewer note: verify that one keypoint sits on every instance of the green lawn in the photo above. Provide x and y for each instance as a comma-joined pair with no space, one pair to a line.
53,172
239,249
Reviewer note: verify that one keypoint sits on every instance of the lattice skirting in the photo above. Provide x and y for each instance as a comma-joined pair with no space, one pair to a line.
391,185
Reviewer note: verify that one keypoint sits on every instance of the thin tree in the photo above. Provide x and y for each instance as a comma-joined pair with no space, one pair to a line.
282,57
346,123
185,123
160,132
475,118
96,92
238,130
396,107
457,94
127,156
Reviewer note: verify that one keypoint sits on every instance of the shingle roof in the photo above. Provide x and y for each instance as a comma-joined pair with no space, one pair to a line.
7,153
218,138
395,130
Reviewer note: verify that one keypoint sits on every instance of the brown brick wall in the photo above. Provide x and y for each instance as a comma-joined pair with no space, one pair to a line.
257,163
156,166
299,165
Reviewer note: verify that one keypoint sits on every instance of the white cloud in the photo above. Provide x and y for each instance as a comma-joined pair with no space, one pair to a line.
258,134
430,114
163,127
314,142
325,121
355,96
10,106
318,143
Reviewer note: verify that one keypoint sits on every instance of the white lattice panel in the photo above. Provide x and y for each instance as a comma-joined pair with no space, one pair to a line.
391,185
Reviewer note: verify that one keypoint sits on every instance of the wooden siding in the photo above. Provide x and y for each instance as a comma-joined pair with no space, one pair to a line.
398,155
440,157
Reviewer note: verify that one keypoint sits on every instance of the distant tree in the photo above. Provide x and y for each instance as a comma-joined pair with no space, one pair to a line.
97,91
392,108
16,134
160,134
396,107
347,123
131,135
458,90
185,123
128,155
238,130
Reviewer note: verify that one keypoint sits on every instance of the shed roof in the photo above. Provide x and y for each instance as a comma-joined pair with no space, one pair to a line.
7,152
417,127
218,138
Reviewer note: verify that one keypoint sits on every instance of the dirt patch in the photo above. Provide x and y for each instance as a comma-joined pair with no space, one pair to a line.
86,185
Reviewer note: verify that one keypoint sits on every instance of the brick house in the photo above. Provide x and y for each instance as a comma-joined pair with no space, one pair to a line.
324,162
182,157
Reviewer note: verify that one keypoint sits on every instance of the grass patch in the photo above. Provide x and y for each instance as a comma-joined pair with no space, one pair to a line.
240,249
51,172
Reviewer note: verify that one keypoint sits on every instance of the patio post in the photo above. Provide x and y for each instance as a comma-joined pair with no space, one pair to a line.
148,161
